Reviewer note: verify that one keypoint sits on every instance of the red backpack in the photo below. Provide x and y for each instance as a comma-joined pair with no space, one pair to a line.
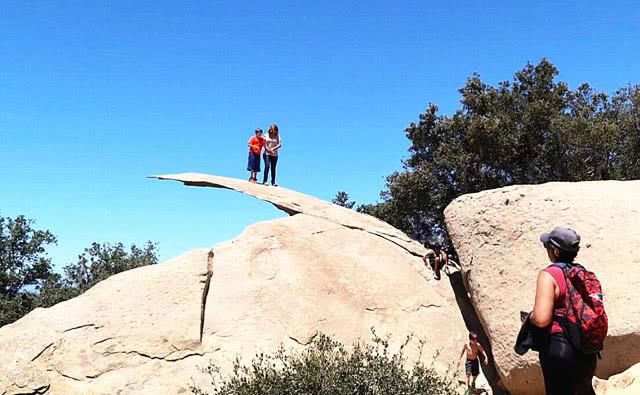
583,319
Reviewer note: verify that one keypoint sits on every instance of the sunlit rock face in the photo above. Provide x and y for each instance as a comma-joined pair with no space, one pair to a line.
149,330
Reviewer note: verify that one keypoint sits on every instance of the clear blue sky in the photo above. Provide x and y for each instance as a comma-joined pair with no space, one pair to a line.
94,96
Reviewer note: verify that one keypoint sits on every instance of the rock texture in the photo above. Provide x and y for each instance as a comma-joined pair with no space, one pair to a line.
324,268
293,202
496,234
625,383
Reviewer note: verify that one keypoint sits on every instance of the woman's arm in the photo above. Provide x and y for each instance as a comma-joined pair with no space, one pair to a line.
542,313
278,145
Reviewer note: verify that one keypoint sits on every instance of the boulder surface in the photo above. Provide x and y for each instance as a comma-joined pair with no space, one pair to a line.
149,330
496,234
625,383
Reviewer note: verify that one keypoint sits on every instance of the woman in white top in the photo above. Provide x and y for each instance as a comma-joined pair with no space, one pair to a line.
271,154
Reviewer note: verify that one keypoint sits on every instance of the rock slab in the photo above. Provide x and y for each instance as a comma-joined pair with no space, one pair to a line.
625,383
149,330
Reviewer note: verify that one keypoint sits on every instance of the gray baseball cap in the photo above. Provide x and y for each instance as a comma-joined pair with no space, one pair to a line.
563,238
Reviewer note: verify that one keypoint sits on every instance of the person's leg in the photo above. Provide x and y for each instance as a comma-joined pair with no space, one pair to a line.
438,266
432,265
250,166
468,368
274,163
254,165
585,369
558,366
475,371
267,165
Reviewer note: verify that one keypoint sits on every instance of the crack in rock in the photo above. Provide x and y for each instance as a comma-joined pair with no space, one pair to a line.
80,327
427,306
103,340
42,351
382,235
66,375
33,391
309,341
167,357
205,291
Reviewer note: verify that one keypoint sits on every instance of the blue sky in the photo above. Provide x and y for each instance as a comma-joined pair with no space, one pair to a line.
94,96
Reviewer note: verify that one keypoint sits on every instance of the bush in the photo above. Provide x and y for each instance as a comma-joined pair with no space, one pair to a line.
326,367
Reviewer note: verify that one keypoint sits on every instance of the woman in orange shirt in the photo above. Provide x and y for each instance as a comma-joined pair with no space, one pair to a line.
255,148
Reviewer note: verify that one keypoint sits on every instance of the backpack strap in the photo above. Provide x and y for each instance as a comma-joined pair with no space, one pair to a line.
562,265
565,267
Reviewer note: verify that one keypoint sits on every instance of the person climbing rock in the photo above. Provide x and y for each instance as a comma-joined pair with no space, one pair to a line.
436,258
472,365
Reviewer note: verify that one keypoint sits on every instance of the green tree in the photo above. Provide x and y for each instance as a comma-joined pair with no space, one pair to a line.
342,199
26,274
23,266
56,289
532,129
101,261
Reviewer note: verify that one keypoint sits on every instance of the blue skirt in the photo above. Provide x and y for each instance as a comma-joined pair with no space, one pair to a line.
254,162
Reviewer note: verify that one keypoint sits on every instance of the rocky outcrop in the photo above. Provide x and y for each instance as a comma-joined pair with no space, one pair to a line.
324,268
496,234
625,383
293,202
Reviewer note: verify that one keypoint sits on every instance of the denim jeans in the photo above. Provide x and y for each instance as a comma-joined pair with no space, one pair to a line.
270,162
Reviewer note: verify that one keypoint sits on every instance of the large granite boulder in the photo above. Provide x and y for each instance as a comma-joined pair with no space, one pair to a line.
496,234
625,383
324,268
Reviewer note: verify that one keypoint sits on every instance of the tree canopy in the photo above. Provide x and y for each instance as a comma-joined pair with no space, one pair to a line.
342,199
27,277
532,129
23,266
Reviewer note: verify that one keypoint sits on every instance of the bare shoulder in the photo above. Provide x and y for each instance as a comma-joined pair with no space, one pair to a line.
545,279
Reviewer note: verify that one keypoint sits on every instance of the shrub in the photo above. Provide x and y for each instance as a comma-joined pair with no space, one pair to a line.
327,367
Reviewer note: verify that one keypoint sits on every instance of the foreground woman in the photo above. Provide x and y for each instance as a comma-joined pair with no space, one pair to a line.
566,371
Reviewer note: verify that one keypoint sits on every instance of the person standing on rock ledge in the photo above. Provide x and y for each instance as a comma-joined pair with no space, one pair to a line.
566,370
255,148
273,144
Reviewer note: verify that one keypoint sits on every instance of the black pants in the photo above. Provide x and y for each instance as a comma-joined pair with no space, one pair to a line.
566,372
270,162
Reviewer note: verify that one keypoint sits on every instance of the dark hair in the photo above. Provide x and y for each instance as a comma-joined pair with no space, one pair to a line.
258,130
274,128
473,336
566,256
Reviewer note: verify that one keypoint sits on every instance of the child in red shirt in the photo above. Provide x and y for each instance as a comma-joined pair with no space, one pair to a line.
255,148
